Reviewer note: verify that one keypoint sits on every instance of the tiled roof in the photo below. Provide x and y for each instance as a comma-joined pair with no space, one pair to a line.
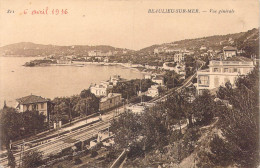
31,99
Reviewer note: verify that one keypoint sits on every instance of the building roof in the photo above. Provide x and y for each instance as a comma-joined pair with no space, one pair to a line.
239,58
109,96
32,99
158,78
229,48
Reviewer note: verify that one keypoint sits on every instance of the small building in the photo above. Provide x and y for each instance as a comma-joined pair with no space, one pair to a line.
110,101
64,61
169,66
179,57
136,108
115,79
158,79
34,103
103,89
153,91
229,52
221,72
158,50
203,48
147,76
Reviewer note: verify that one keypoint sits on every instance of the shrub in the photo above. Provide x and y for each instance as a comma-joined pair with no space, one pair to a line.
94,153
77,160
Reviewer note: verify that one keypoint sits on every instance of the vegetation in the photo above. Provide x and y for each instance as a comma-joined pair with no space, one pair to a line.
239,125
39,62
16,125
163,128
130,89
67,108
32,159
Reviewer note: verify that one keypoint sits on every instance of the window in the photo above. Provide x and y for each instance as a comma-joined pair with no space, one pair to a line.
215,69
33,107
225,69
235,69
204,80
42,105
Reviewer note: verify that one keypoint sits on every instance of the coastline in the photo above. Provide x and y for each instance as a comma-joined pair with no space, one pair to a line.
136,67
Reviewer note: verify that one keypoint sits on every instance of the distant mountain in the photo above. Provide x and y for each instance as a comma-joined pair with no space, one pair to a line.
32,49
248,41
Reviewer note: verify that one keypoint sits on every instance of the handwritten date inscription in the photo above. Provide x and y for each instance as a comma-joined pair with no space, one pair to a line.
46,11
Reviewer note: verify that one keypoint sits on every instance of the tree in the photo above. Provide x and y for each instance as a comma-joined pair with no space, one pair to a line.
33,159
175,108
203,108
155,128
240,125
126,129
10,125
11,158
32,121
221,154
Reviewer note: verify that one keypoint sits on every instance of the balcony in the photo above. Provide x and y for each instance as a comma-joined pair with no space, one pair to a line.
224,63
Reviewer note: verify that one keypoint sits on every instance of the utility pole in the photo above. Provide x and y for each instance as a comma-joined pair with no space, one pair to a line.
70,110
141,90
21,154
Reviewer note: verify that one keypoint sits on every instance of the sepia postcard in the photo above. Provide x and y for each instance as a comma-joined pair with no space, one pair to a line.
129,84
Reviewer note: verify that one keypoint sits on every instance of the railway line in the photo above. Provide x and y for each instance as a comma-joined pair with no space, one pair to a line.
55,145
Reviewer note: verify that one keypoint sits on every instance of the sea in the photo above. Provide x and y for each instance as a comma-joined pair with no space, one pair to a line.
17,81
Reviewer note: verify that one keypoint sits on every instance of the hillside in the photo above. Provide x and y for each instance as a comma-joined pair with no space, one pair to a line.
248,41
244,40
32,49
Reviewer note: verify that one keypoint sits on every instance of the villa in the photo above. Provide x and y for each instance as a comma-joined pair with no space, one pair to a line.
34,103
221,72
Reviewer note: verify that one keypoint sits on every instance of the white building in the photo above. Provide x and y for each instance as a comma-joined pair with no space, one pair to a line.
153,91
203,48
179,57
147,76
102,89
220,72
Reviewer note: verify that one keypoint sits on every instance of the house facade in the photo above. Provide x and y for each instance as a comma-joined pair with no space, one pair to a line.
229,52
111,100
153,91
179,57
101,89
221,72
34,103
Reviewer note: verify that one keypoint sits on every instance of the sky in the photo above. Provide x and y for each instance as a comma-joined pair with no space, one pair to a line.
121,23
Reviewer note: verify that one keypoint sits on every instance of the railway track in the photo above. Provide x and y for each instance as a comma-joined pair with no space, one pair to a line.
56,144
